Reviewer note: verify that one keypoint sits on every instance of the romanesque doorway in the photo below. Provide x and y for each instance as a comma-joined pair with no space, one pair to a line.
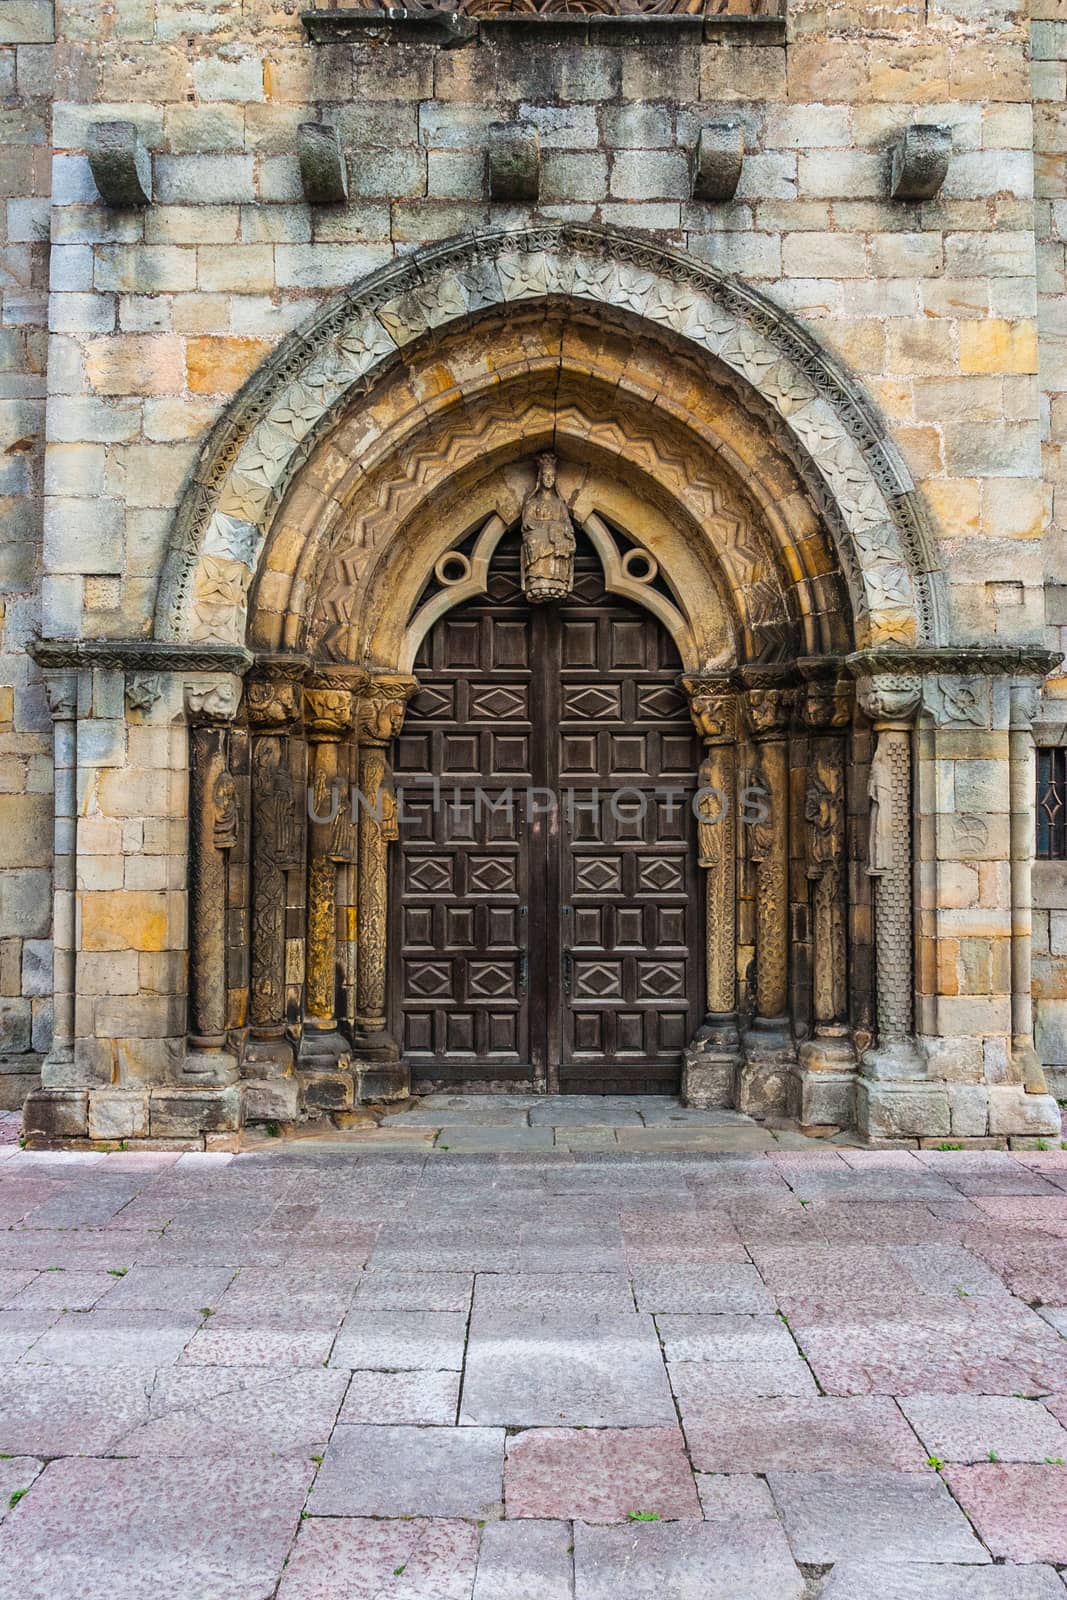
547,924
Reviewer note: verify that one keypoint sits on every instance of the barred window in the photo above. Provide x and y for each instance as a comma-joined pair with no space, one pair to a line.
1052,805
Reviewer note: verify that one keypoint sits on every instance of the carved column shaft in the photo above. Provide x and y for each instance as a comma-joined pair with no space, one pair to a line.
1022,789
62,691
380,717
714,712
209,831
328,717
827,706
278,811
768,848
890,702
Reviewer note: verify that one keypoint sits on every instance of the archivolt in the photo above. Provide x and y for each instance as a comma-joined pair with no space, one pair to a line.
851,471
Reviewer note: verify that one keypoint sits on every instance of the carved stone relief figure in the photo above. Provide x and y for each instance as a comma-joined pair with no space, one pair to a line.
881,849
547,538
824,818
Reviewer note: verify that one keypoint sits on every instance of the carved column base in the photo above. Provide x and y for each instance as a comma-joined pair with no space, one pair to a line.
718,1032
271,1099
823,1083
763,1077
269,1056
374,1044
323,1047
709,1077
210,1067
897,1058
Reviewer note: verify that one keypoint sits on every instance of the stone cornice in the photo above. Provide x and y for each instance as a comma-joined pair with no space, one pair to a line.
970,660
139,655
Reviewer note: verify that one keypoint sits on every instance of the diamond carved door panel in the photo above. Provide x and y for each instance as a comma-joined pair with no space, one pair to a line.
588,908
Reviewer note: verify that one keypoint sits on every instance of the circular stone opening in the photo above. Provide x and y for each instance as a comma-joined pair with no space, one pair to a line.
640,566
453,567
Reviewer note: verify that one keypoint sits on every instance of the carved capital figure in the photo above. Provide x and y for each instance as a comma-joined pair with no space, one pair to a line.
272,702
713,708
327,712
891,697
548,543
381,709
212,702
827,703
769,711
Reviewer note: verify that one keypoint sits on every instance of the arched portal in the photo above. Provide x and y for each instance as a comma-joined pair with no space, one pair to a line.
729,488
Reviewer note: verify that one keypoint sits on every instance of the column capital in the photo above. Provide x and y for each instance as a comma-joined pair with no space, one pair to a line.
381,707
890,699
273,697
212,698
769,710
712,706
61,691
824,701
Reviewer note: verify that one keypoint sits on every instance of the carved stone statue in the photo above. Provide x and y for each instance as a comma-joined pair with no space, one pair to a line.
226,812
881,852
709,816
547,538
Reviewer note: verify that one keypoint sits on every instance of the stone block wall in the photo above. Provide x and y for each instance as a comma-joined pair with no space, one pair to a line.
26,85
158,315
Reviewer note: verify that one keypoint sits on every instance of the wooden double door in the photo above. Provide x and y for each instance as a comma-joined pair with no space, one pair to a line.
546,924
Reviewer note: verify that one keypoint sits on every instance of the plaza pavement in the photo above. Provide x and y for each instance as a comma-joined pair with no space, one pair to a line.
592,1350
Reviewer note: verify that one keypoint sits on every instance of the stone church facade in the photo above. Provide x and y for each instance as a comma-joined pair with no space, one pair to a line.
534,558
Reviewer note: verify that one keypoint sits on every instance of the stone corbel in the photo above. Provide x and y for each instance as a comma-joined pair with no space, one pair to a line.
718,160
120,164
379,717
514,163
920,161
323,174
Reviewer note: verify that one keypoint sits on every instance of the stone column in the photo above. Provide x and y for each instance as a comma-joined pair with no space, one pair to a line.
214,820
711,1061
891,701
824,1082
328,722
765,819
1026,1065
57,1069
380,718
273,705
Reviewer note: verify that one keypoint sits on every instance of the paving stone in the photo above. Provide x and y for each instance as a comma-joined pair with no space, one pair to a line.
966,1427
169,1288
525,1561
54,1411
525,1370
65,1291
414,1397
859,1580
564,1291
415,1291
878,1516
12,1283
1020,1512
947,1269
232,1411
713,1560
823,1435
395,1471
698,1384
17,1473
351,1558
226,1342
599,1474
730,1286
570,1110
474,1141
94,1530
725,1338
116,1338
392,1340
724,1496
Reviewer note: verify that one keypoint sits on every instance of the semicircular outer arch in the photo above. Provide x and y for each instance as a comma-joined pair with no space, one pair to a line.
255,452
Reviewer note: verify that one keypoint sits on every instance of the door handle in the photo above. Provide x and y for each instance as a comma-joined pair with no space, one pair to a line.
566,972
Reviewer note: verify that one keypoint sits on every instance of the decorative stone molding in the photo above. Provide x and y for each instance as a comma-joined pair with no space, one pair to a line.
623,22
323,174
884,546
920,161
139,655
144,690
514,163
120,164
719,158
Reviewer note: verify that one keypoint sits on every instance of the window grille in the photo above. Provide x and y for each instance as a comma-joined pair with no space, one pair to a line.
1052,804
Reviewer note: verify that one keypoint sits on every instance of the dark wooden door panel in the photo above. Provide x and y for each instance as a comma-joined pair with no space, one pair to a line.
560,947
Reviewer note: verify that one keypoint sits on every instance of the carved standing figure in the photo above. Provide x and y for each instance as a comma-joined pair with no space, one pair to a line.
881,853
547,538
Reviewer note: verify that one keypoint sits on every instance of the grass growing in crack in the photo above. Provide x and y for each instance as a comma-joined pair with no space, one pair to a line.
15,1498
117,1272
642,1516
935,1462
948,1145
993,1456
398,1570
273,1131
207,1311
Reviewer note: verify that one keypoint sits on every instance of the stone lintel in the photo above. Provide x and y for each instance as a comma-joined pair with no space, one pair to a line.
432,26
139,655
